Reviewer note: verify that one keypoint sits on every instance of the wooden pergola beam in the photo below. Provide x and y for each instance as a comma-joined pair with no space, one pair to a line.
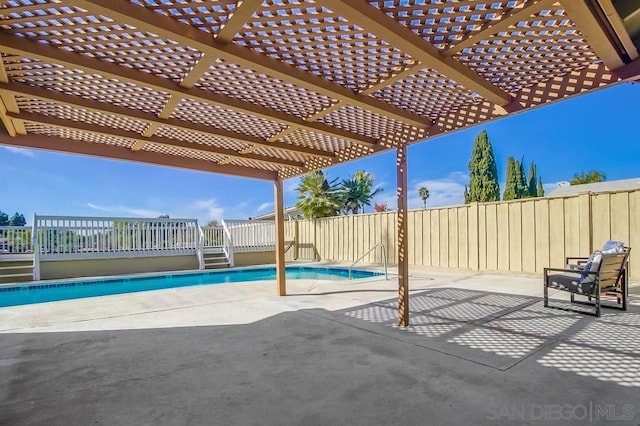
403,236
4,101
278,197
169,28
4,78
6,120
29,48
168,108
618,26
70,146
125,134
503,24
240,15
404,74
629,72
580,12
291,129
110,109
385,27
197,71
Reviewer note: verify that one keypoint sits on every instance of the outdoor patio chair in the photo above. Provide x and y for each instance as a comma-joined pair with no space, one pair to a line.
579,263
605,276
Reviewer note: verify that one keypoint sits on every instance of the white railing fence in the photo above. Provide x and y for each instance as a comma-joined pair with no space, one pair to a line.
66,238
227,243
213,236
63,237
15,240
200,248
36,253
252,235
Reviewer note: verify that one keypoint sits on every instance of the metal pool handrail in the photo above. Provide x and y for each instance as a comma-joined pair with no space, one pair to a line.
384,259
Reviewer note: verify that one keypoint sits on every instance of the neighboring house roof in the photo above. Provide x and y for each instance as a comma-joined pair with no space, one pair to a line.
290,213
612,185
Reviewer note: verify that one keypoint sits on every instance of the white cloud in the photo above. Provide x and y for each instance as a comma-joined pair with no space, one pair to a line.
290,185
210,207
20,151
447,191
125,210
264,206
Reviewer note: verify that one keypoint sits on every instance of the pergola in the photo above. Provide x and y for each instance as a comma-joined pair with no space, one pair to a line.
273,89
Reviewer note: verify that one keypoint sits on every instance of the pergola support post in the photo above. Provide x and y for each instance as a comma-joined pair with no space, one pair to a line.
279,210
403,266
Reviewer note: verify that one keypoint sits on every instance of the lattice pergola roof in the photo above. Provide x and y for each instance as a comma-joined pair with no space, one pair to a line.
272,89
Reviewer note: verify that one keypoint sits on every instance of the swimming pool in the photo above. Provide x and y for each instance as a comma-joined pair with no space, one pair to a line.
49,291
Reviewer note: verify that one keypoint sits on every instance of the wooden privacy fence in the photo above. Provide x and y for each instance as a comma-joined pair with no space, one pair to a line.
514,236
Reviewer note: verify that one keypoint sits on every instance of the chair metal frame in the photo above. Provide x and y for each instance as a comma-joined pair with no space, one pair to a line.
610,279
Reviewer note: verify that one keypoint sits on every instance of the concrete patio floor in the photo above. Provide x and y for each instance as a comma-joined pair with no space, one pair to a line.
481,349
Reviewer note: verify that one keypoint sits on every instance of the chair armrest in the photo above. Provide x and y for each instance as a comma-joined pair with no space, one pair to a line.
576,258
570,271
574,262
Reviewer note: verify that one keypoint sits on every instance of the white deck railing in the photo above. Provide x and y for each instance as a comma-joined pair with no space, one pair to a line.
63,237
252,235
213,236
15,240
228,244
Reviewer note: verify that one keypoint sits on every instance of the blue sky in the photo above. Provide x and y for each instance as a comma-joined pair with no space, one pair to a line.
595,131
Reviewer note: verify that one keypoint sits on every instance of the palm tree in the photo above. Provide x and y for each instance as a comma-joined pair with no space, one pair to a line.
317,197
356,192
423,192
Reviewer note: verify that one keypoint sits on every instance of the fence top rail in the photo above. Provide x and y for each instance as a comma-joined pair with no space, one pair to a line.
247,221
233,222
39,219
15,228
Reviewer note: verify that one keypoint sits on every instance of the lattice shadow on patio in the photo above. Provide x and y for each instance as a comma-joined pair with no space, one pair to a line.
501,330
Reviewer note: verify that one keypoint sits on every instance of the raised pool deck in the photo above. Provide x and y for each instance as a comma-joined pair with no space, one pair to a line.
481,350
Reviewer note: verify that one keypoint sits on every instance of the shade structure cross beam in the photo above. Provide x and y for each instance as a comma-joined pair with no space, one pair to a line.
387,28
169,28
30,48
153,121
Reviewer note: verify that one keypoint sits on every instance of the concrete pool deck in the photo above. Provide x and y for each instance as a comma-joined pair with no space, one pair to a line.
481,350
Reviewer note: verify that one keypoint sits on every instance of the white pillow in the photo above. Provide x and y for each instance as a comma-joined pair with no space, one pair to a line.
596,257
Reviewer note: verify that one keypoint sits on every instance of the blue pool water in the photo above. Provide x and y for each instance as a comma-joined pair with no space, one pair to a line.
50,291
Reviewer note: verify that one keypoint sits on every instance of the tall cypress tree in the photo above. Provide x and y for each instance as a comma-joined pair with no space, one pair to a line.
533,180
511,184
540,189
483,173
523,186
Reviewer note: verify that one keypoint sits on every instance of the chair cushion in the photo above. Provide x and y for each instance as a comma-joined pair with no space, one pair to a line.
570,282
593,263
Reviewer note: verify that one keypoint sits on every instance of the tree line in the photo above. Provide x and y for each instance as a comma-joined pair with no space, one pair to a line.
320,197
483,176
16,220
